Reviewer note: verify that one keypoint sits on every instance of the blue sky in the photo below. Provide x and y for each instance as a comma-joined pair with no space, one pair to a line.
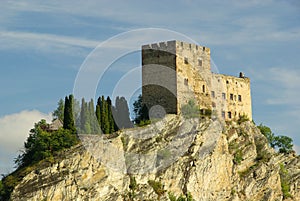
43,44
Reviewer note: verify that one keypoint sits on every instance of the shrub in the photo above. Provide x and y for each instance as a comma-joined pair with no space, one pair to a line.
132,184
188,197
238,157
132,187
190,110
157,187
172,197
144,123
284,178
242,119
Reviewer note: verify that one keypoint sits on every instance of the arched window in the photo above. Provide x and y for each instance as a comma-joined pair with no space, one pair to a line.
203,88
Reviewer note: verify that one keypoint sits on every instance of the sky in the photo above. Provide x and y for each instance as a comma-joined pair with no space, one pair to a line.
45,47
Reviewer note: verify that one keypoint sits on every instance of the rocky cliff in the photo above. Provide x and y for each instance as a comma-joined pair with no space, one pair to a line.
204,158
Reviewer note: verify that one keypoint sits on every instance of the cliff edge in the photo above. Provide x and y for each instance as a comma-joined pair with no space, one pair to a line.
200,158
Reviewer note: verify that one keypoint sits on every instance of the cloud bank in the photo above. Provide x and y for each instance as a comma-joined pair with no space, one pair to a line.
14,129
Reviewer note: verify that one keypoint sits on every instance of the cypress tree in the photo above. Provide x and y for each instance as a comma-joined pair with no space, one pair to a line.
122,113
98,114
93,119
68,114
102,111
98,111
84,118
110,116
106,126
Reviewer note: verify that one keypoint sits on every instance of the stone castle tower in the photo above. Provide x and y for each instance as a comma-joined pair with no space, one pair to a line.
175,72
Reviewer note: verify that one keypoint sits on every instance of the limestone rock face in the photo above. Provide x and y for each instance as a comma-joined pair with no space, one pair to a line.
201,157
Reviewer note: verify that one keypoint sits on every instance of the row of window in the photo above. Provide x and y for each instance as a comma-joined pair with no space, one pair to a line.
229,115
231,96
186,61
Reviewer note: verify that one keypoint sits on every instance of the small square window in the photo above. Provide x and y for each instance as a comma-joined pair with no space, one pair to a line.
223,114
213,95
240,98
186,61
229,115
200,62
186,81
223,96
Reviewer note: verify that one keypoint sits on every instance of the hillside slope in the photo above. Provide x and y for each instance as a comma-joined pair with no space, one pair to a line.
177,156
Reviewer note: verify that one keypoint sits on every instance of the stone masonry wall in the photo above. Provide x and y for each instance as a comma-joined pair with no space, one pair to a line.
175,72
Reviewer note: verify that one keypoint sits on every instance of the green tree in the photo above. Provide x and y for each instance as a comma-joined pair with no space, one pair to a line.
112,126
140,110
85,126
121,113
266,131
98,111
284,144
42,144
59,112
104,115
68,114
95,127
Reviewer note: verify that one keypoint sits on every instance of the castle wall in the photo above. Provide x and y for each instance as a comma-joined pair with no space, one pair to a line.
193,74
232,96
175,72
159,76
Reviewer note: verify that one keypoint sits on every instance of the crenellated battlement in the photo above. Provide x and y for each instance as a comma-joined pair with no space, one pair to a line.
177,46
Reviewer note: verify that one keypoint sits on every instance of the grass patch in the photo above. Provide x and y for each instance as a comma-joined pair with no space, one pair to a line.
187,197
157,187
285,182
242,119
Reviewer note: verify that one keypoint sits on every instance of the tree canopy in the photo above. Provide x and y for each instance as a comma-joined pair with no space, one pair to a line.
284,144
42,144
140,111
68,114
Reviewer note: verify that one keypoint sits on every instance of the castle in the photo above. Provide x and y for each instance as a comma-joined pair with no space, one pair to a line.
175,72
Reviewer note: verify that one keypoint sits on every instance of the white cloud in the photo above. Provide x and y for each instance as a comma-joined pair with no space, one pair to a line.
44,42
228,23
14,130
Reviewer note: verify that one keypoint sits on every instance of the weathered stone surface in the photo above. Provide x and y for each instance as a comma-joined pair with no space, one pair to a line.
206,158
175,72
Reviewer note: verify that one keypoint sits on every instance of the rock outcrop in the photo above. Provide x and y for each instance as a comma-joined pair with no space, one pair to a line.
175,156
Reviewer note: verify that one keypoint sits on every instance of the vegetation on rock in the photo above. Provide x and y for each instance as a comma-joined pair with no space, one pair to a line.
188,197
190,110
42,144
283,143
285,182
157,187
